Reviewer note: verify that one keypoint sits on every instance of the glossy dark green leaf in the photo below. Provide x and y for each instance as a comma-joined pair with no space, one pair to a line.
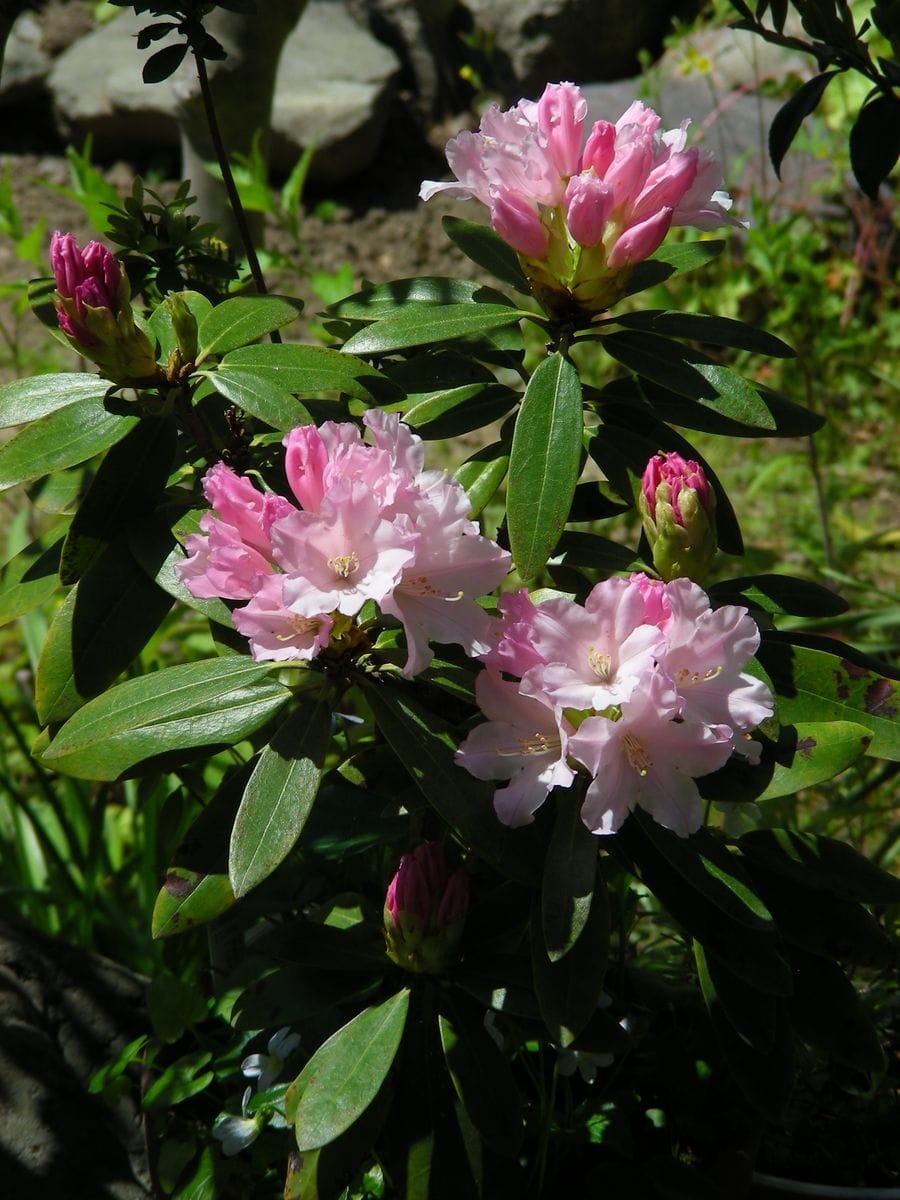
875,142
765,1077
568,990
188,899
126,487
481,1076
826,1012
30,577
310,944
346,1073
822,863
218,701
812,685
482,474
810,752
153,544
753,1015
780,594
427,324
36,396
425,745
279,794
577,549
544,463
570,875
294,993
470,414
376,302
101,627
487,249
670,260
261,398
783,419
71,435
240,320
711,330
305,371
787,121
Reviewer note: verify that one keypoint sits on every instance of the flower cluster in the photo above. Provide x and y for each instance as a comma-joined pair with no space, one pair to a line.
372,525
643,686
580,218
93,308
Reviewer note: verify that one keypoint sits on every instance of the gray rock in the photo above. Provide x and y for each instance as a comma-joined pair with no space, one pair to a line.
25,64
332,87
544,41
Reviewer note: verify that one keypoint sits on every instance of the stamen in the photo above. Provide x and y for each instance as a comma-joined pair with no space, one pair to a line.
536,743
601,664
300,626
637,756
344,565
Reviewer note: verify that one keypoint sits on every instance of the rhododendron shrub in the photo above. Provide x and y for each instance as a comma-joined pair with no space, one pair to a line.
457,770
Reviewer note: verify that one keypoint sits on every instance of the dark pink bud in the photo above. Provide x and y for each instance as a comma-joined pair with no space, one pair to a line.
424,910
678,507
678,473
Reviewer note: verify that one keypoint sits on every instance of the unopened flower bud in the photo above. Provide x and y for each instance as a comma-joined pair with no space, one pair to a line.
678,508
93,307
425,910
184,325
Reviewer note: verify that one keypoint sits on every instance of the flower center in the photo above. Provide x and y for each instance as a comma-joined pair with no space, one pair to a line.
535,743
637,756
601,664
685,675
344,565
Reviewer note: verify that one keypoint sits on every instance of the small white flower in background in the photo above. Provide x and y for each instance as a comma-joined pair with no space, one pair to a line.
265,1068
237,1133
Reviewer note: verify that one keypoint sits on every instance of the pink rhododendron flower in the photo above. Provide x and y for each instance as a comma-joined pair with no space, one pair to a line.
580,218
651,675
369,524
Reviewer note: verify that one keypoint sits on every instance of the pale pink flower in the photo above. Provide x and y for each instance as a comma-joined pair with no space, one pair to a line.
650,757
221,564
275,633
511,636
522,741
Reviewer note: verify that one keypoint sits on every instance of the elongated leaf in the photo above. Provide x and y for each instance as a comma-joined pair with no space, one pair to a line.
487,249
64,438
815,686
827,1013
570,875
764,1076
126,487
715,331
153,544
306,371
425,745
345,1074
577,549
219,701
29,578
279,795
780,594
432,323
482,474
674,259
240,320
103,624
822,863
790,116
481,1075
36,396
473,412
294,993
261,398
544,463
812,751
375,303
752,1014
188,899
875,143
568,990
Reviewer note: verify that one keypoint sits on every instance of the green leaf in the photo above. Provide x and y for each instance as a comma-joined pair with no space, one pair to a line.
568,990
346,1073
261,398
188,899
296,993
487,249
103,624
482,474
481,1076
811,752
544,463
36,396
66,437
577,549
822,863
711,330
875,142
240,320
184,1078
152,542
787,121
670,260
425,745
219,701
30,577
780,594
375,303
305,371
826,1012
812,685
127,485
279,794
474,412
570,874
752,1014
432,323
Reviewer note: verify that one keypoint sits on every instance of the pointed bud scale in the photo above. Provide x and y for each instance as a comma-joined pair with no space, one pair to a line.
678,509
425,910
